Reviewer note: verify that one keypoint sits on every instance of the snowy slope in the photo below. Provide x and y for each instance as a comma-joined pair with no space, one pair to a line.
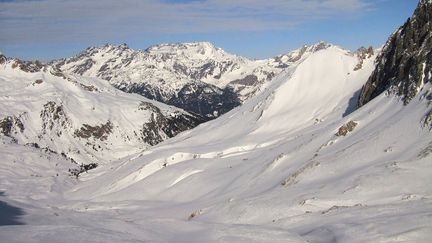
197,77
270,177
272,170
322,99
86,119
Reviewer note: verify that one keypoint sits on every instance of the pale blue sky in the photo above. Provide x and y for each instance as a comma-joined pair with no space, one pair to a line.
47,29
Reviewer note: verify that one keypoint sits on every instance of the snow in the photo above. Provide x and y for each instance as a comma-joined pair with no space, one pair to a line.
265,172
422,82
90,101
310,95
181,64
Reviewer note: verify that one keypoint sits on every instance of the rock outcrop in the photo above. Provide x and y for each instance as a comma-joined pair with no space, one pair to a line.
405,63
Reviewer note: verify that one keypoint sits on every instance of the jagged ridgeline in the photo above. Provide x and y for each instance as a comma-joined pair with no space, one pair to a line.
197,77
405,63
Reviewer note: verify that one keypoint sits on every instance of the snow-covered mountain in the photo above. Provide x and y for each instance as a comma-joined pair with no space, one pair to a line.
293,164
297,162
85,119
197,77
290,165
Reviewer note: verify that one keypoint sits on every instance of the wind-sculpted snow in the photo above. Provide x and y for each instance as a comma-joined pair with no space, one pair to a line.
271,170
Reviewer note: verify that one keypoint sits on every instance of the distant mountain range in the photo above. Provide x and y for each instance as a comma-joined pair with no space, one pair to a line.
76,106
197,77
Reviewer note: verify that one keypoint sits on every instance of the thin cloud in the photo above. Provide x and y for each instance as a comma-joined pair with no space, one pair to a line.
64,20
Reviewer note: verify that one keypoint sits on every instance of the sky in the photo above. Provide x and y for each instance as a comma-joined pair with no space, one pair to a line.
51,29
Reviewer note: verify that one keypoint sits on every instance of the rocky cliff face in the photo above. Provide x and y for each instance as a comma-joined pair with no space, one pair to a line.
209,100
405,63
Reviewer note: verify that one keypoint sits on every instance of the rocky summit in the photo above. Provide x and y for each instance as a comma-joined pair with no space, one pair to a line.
404,65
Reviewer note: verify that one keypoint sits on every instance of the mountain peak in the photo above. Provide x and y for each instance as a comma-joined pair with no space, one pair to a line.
283,61
109,46
322,45
319,46
203,48
123,45
403,67
201,44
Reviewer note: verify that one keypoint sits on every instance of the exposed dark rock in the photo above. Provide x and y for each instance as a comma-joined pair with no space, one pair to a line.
103,68
194,214
249,80
160,127
100,132
363,53
38,81
405,63
206,100
197,98
427,120
49,150
3,59
89,88
34,145
82,168
52,115
427,151
11,125
320,46
283,64
57,72
143,106
346,128
143,89
81,69
28,66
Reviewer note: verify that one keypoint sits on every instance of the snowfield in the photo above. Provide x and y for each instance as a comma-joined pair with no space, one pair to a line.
86,119
279,168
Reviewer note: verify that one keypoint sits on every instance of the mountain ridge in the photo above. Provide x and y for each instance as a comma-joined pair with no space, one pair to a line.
86,119
404,63
164,72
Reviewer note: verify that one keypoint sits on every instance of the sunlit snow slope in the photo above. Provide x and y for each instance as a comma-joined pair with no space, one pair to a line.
85,119
277,169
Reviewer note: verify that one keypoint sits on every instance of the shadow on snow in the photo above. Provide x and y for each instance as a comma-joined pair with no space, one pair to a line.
9,215
352,103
